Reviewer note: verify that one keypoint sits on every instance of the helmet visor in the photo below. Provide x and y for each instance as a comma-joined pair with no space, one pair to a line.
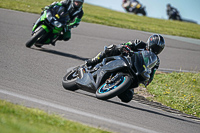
77,3
156,43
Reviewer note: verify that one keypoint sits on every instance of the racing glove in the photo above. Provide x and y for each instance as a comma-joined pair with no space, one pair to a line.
75,23
126,50
46,7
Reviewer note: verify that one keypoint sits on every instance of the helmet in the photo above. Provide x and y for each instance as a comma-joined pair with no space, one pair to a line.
78,3
168,6
155,43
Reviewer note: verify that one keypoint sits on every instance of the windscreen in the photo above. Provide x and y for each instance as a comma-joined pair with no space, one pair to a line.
61,14
150,59
144,61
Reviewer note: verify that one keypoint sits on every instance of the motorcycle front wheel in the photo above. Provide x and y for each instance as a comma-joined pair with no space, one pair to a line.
111,89
69,80
143,12
35,37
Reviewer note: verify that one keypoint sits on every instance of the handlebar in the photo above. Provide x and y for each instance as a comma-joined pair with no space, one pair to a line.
127,50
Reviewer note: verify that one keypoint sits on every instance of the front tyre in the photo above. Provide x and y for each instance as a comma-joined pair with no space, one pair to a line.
143,12
69,80
35,37
111,89
178,17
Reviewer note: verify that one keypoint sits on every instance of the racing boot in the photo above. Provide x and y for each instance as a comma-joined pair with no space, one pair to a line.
108,51
92,62
61,37
38,45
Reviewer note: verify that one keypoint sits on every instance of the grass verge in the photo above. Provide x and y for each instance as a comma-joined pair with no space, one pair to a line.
99,15
179,91
19,119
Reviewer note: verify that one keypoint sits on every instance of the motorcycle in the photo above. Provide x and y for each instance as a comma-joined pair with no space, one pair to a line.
135,7
49,26
174,15
113,76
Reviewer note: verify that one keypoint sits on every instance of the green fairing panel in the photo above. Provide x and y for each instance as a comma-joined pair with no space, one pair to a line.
57,30
42,18
48,41
45,28
57,3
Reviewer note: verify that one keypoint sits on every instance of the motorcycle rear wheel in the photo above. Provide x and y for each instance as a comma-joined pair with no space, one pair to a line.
110,90
69,80
35,37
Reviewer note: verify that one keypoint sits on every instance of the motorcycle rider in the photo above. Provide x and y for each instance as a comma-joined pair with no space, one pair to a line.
155,44
172,12
127,4
75,12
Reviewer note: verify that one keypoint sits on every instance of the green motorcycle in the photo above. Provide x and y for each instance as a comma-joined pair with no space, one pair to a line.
49,26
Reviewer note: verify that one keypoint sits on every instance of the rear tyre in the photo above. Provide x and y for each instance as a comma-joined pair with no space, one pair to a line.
69,80
110,90
35,37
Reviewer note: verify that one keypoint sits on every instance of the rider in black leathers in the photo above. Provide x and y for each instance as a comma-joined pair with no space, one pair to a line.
155,43
173,13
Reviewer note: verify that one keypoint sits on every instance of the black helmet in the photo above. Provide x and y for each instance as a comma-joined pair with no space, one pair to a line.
168,6
156,43
79,3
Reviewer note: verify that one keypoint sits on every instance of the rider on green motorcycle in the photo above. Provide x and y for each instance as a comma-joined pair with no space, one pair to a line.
74,7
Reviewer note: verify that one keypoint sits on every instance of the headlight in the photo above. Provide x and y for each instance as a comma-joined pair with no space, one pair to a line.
57,24
49,16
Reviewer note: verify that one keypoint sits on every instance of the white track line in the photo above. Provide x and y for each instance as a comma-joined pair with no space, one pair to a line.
77,111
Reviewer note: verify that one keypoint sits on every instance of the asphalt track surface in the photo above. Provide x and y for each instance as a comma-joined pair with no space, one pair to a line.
32,77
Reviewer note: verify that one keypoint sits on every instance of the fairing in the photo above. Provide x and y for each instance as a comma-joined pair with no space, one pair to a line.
88,78
53,19
144,61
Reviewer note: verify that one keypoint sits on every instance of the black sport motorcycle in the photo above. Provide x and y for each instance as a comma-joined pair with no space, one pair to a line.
174,15
113,75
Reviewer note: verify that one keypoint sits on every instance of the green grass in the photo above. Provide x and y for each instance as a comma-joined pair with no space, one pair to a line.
19,119
99,15
180,91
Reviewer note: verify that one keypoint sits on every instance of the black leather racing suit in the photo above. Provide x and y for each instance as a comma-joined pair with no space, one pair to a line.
113,50
172,13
